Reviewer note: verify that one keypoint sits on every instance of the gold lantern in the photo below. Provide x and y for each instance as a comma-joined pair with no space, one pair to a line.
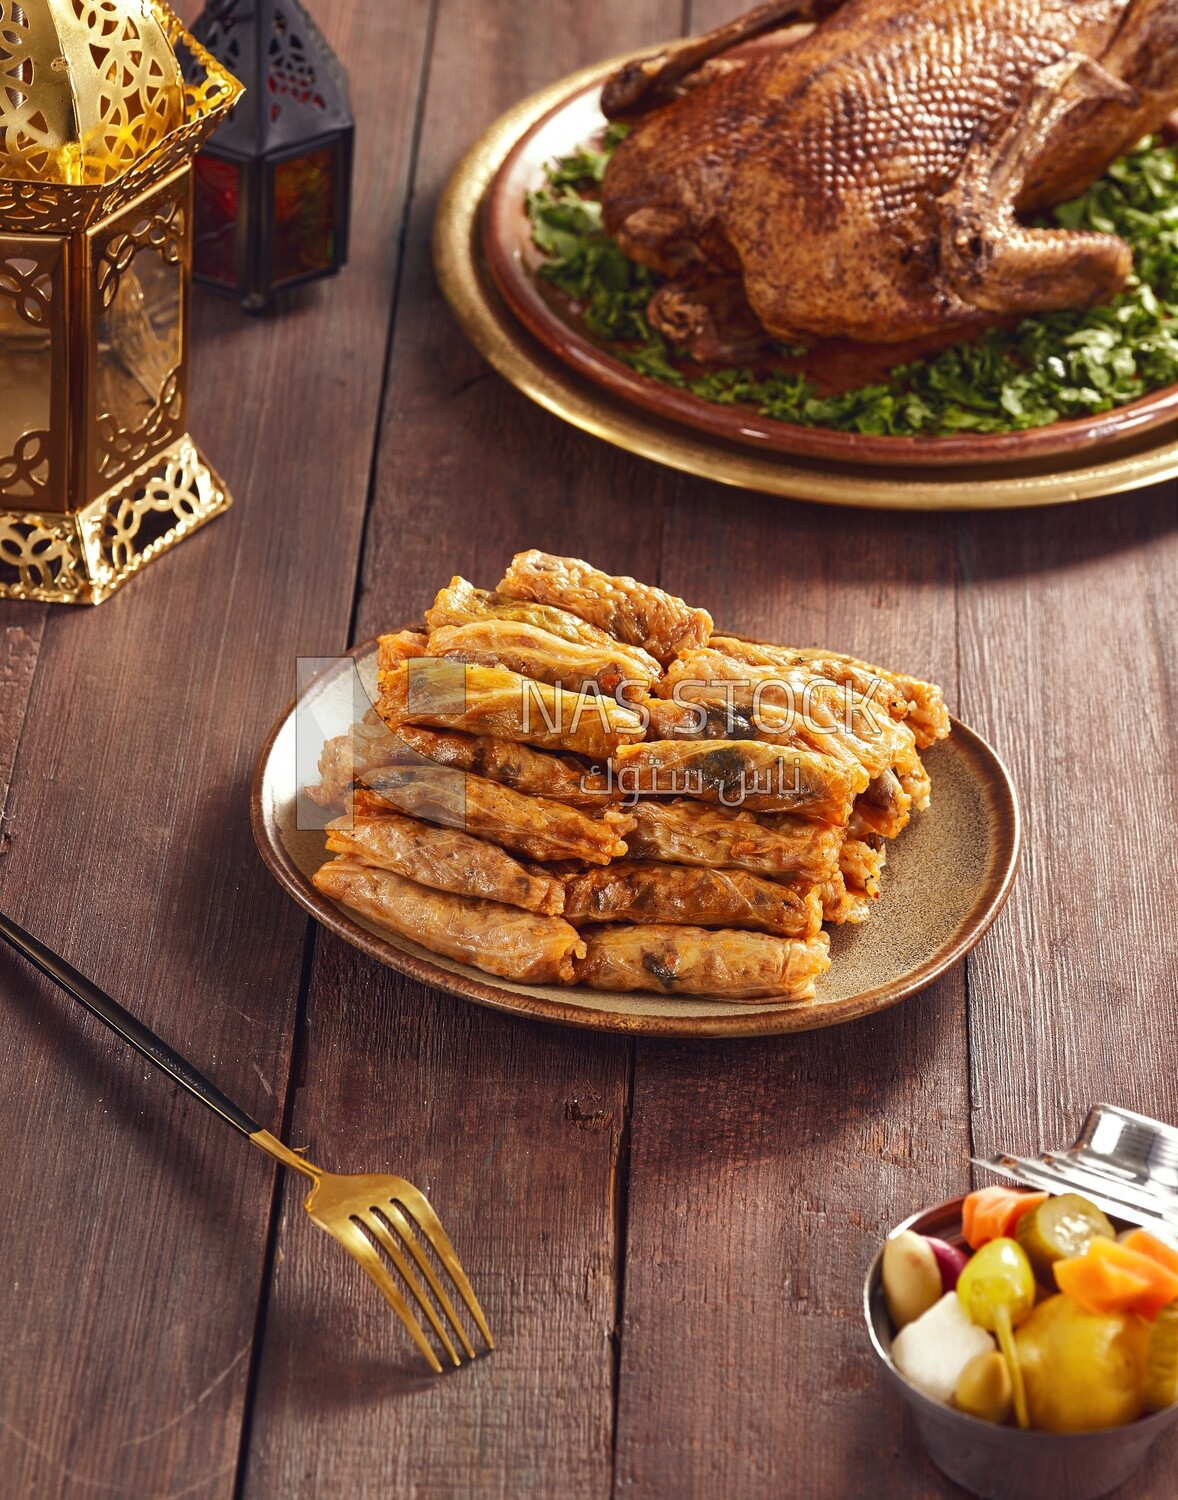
98,129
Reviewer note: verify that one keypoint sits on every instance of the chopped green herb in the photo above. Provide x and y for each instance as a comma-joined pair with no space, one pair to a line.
1058,365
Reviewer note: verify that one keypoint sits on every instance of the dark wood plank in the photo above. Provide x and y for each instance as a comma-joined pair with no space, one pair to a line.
763,1175
22,627
1069,664
133,1270
516,1131
513,1131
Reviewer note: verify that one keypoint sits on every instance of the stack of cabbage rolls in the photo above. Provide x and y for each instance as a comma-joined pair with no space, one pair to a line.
571,779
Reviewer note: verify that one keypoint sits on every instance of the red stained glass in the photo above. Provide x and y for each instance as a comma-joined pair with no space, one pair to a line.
304,215
217,196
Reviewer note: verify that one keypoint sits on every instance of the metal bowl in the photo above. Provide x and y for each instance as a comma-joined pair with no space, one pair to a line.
1004,1463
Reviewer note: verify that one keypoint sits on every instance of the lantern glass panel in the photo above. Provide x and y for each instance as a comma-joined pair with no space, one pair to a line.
26,370
139,340
218,218
304,215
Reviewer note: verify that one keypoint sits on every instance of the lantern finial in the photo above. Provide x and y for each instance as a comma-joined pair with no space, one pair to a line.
95,91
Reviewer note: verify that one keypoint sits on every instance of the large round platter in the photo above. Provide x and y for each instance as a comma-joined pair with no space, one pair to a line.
946,880
915,483
574,119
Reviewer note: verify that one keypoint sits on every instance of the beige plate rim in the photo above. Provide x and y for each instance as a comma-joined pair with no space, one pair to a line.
469,984
1114,468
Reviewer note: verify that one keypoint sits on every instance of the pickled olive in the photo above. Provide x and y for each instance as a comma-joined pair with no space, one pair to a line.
985,1390
997,1290
911,1277
1161,1361
1060,1229
1082,1371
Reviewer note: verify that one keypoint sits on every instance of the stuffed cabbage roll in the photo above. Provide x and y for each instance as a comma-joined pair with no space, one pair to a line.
861,863
794,705
462,604
539,654
504,705
921,704
690,895
692,833
535,827
742,773
501,940
696,961
446,859
537,772
883,809
637,613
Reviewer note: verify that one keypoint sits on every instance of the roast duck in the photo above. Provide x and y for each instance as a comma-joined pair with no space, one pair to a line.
873,169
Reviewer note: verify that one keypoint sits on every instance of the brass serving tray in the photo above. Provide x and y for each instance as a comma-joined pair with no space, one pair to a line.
1107,468
946,880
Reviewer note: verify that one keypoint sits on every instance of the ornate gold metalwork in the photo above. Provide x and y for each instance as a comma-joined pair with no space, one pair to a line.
83,558
103,104
33,370
24,474
40,558
150,412
92,94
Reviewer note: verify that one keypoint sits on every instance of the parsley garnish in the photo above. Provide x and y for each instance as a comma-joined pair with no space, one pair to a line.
1058,365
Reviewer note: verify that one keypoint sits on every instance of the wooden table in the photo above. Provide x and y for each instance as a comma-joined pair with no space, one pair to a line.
669,1239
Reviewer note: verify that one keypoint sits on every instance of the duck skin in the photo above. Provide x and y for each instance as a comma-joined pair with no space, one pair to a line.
872,178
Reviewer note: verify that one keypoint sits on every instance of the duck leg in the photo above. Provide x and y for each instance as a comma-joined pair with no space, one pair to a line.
709,320
1096,132
647,82
992,261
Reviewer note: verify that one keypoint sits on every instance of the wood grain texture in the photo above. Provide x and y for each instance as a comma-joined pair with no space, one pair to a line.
669,1240
762,1177
515,1131
1074,997
131,1285
22,627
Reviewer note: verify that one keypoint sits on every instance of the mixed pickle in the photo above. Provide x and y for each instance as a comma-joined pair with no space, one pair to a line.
1050,1319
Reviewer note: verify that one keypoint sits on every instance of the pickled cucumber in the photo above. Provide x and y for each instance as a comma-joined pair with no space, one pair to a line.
1059,1229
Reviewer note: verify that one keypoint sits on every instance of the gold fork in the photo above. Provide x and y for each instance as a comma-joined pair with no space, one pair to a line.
362,1212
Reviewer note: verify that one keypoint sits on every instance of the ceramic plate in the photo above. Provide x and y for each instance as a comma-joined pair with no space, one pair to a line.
946,880
570,120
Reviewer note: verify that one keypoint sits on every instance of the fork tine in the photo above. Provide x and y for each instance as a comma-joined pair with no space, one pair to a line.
376,1227
401,1224
431,1226
358,1245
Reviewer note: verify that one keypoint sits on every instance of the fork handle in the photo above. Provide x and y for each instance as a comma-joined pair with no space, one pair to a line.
124,1024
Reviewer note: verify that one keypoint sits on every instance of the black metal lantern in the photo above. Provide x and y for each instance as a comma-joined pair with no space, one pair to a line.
273,184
